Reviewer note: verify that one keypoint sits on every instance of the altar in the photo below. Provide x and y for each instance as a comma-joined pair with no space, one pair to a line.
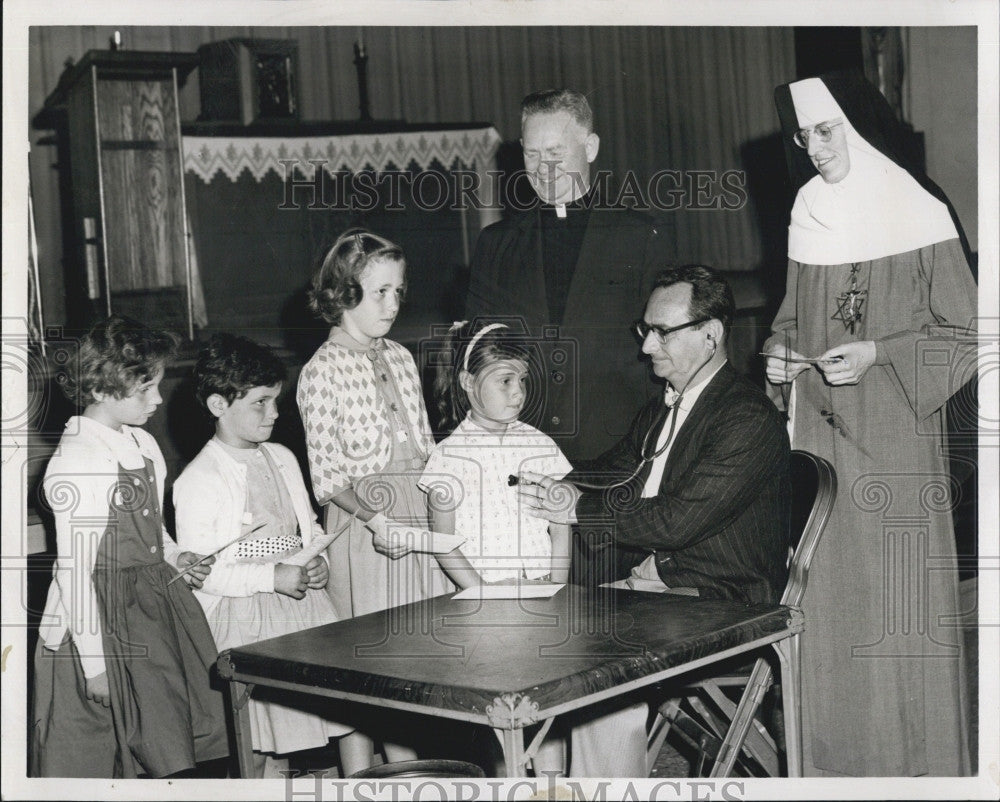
265,201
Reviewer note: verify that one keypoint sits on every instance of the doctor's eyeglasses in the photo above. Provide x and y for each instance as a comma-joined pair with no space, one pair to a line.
642,329
822,132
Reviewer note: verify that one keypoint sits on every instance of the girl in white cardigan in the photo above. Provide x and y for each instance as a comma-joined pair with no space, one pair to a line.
242,488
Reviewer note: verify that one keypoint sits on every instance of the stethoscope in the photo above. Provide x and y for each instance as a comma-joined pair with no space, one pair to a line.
644,456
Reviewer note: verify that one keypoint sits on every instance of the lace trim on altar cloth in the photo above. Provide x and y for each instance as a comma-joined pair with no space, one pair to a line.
472,148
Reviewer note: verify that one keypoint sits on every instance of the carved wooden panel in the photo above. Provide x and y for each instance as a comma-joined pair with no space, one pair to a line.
142,183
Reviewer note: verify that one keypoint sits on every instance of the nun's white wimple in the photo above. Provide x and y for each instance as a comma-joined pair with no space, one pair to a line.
878,209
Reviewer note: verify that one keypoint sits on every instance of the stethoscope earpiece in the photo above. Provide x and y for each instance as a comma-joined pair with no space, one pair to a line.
644,455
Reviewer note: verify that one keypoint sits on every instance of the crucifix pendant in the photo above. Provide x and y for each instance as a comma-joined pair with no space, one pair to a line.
849,304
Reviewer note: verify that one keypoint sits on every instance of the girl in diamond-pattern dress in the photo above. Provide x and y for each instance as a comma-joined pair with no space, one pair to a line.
367,431
367,434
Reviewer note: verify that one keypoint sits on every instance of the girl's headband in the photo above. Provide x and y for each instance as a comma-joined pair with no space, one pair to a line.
476,338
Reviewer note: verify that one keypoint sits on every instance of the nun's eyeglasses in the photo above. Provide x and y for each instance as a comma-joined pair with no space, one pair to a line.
822,132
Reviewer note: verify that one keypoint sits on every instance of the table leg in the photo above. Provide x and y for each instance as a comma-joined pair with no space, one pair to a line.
742,720
536,742
789,652
509,714
239,698
513,751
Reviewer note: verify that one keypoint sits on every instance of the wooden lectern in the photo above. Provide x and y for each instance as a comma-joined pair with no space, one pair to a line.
116,114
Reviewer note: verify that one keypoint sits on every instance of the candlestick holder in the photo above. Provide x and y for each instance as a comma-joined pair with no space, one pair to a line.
361,63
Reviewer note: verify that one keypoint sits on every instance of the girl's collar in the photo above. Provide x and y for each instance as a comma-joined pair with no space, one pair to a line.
238,454
125,445
340,336
471,426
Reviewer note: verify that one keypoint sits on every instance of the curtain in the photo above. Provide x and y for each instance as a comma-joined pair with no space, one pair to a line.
665,98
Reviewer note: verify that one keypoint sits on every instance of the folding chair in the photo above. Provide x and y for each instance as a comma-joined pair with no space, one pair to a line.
721,729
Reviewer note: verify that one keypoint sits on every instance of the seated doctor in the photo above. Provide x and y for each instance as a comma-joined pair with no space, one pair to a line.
694,499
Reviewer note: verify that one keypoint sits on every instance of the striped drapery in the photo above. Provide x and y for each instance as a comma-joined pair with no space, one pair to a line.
686,99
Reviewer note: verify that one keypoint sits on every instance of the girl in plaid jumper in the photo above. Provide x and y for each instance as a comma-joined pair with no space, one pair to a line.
122,665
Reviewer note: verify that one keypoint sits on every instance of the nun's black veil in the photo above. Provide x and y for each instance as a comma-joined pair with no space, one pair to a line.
873,118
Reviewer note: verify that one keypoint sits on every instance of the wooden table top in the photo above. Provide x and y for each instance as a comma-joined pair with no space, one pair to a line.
463,655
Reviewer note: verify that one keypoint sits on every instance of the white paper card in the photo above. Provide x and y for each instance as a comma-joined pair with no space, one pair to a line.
532,590
316,546
425,540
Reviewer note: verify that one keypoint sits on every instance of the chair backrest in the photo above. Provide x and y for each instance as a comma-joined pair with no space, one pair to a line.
814,489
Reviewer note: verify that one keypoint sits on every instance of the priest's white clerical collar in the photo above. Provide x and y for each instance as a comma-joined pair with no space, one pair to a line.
562,210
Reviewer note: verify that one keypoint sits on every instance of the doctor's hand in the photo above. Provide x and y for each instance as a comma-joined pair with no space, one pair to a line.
847,363
547,498
778,370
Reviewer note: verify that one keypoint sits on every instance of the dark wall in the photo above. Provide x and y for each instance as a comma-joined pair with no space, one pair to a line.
664,98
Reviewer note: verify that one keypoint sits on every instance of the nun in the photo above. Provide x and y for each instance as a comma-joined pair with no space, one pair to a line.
881,299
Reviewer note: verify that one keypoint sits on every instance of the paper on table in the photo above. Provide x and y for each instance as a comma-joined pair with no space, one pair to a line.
531,590
649,586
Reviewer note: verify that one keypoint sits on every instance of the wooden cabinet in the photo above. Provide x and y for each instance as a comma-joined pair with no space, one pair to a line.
116,113
248,80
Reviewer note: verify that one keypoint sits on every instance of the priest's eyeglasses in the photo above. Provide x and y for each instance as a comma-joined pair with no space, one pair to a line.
642,329
822,132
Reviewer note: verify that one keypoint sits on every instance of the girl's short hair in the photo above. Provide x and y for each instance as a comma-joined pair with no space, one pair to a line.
231,366
486,347
336,285
114,357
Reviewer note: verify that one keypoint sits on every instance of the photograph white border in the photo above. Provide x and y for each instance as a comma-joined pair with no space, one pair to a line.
18,15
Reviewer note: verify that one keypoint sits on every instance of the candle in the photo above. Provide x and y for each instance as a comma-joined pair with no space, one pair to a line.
361,40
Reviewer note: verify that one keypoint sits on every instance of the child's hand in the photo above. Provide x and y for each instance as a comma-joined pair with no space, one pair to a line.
388,537
318,573
196,576
98,689
291,580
